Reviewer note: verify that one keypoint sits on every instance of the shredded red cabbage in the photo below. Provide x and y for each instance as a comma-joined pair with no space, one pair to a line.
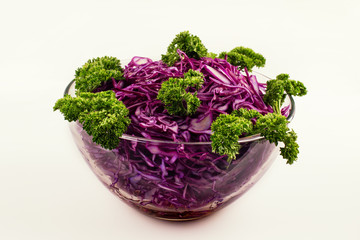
169,179
180,176
225,89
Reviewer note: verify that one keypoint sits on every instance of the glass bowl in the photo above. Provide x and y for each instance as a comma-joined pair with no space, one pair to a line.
176,181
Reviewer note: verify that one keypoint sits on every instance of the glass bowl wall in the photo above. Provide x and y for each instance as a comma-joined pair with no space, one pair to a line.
176,181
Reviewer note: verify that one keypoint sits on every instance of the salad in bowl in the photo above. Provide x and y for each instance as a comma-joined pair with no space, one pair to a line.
181,137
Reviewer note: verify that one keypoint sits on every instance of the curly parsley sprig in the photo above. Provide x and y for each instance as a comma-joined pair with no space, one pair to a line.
190,44
173,93
102,115
276,88
96,71
244,57
228,128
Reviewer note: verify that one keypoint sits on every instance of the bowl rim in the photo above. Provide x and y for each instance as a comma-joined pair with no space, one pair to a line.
247,139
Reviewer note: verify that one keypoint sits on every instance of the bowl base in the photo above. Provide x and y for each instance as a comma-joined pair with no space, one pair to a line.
174,216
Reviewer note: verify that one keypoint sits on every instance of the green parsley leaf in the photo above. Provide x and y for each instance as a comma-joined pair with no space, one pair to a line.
246,113
96,71
291,149
173,93
276,89
103,116
190,44
244,57
226,130
273,127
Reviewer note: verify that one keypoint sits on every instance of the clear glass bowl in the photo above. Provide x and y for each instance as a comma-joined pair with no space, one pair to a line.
176,181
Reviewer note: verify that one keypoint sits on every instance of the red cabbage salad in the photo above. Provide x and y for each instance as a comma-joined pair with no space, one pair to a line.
190,95
225,89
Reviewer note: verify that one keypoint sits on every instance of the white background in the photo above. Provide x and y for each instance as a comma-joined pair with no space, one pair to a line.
48,192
